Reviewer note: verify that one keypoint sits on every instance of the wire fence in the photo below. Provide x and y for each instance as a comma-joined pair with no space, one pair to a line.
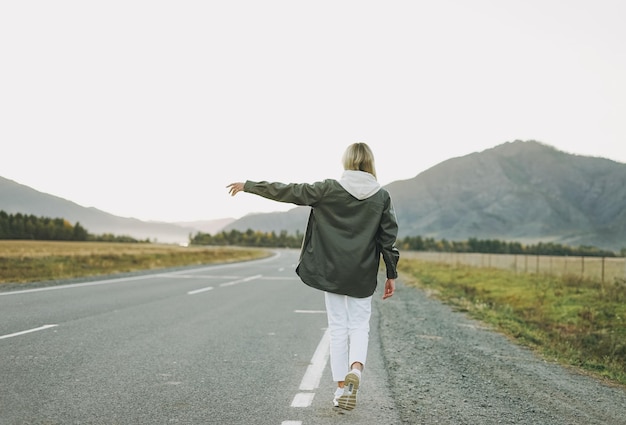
604,269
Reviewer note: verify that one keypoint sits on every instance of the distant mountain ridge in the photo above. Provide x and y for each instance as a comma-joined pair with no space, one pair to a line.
17,198
523,191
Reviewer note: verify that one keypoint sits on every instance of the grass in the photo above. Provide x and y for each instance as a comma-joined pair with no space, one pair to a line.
34,261
574,321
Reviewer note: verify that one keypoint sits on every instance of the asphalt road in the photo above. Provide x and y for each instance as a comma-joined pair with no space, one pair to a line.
245,344
227,344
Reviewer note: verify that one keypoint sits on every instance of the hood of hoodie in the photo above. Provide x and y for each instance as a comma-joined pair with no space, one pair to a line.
359,184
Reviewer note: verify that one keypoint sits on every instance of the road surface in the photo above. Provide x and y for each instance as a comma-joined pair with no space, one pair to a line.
246,344
227,344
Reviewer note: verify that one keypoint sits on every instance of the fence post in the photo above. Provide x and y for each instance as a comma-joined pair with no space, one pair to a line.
550,265
526,264
537,264
602,269
582,268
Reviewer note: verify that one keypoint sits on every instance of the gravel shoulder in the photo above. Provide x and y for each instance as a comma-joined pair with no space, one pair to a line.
446,368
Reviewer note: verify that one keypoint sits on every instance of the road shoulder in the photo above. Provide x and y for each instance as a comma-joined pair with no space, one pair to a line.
446,368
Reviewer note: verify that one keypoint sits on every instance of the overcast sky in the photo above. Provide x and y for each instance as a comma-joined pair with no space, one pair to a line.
148,109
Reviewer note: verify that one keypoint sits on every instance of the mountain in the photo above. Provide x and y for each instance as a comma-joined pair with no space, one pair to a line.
206,226
17,198
520,191
525,191
293,220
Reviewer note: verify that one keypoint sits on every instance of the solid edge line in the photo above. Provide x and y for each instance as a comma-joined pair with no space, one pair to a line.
77,285
41,328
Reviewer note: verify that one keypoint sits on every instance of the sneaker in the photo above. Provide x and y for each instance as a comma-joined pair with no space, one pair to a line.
338,393
347,400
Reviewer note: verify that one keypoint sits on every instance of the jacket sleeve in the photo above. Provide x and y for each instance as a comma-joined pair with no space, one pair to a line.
386,240
293,193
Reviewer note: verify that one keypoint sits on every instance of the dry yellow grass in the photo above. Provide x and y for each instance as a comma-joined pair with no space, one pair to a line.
605,269
30,249
33,261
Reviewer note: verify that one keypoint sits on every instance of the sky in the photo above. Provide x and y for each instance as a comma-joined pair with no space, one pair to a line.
148,109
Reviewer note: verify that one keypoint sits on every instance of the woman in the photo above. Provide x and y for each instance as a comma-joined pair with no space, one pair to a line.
351,224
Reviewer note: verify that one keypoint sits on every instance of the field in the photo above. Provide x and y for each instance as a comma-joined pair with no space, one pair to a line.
573,320
31,261
604,269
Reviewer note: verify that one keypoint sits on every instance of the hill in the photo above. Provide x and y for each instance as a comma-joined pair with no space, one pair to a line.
523,191
18,198
518,191
293,221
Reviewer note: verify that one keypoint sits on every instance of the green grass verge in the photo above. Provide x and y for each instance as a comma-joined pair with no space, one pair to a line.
576,322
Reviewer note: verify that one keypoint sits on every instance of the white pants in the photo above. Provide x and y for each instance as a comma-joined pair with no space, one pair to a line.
349,324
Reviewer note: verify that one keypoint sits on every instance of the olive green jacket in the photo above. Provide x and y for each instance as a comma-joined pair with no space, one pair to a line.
345,236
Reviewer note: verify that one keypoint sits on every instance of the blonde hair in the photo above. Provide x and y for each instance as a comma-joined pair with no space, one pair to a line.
359,157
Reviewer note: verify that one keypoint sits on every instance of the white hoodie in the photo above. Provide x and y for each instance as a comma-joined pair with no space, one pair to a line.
359,184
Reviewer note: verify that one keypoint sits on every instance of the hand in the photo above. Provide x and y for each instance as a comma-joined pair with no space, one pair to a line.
235,188
390,287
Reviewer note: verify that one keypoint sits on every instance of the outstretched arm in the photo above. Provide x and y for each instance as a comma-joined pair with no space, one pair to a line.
292,193
235,188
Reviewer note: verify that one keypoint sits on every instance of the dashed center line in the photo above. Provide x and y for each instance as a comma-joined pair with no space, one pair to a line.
195,276
222,285
302,400
313,375
234,282
197,291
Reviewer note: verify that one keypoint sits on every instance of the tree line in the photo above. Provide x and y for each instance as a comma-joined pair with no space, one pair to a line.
24,226
30,227
249,238
494,246
414,243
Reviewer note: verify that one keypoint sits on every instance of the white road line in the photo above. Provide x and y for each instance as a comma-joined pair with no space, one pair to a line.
222,285
195,276
281,278
313,375
41,328
234,282
291,423
78,285
310,311
197,291
302,400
